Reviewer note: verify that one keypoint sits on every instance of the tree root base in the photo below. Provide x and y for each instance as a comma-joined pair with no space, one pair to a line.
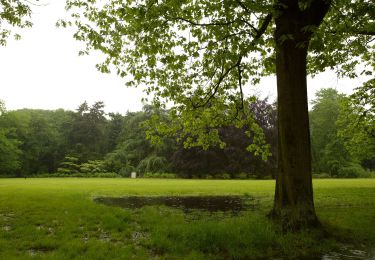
295,219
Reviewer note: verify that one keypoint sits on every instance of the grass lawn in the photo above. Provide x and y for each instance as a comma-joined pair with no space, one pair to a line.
58,219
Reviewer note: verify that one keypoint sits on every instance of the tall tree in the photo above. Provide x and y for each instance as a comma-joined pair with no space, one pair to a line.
328,151
87,134
356,123
114,128
9,146
134,150
200,55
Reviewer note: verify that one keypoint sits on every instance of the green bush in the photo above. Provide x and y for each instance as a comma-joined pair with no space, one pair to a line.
242,176
151,175
252,176
160,175
69,165
169,175
105,175
353,170
333,167
79,174
92,167
126,170
154,164
223,176
321,176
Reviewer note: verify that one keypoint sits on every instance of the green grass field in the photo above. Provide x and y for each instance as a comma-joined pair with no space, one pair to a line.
58,219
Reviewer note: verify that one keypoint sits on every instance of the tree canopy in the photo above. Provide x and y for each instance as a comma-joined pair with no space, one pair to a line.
202,55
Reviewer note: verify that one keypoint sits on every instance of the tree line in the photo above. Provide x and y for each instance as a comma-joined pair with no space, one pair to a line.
88,141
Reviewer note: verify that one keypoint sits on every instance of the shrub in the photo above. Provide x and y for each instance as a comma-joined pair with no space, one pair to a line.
242,176
169,175
160,175
126,170
69,165
321,176
153,164
92,167
333,167
353,170
252,176
151,175
79,174
105,175
224,176
371,174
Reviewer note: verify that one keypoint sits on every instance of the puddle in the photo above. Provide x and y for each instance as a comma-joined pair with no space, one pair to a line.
7,216
232,204
348,253
7,228
36,252
137,236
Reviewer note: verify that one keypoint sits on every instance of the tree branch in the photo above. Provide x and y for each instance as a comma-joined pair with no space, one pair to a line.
240,84
263,27
260,32
244,7
217,85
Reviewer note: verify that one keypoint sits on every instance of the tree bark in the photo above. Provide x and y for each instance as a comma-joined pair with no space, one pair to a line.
294,204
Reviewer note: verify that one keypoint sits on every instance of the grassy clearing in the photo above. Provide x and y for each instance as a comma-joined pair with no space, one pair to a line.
57,218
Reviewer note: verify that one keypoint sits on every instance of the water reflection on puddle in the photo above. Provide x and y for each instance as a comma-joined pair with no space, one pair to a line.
348,253
234,204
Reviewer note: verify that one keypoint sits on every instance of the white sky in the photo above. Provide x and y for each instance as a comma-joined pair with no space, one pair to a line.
43,70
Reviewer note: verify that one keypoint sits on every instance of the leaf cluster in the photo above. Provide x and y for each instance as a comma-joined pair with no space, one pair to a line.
14,13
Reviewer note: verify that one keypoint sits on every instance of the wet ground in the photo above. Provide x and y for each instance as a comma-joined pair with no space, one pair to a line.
211,204
348,252
234,204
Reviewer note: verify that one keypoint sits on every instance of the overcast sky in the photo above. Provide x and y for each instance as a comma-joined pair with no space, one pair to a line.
43,70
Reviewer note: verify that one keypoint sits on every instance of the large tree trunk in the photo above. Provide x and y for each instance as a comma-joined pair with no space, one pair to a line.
294,204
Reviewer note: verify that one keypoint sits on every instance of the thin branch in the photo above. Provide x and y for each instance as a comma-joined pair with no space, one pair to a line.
35,4
259,32
240,84
244,7
217,85
250,25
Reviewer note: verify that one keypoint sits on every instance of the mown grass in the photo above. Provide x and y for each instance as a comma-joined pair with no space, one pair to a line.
57,219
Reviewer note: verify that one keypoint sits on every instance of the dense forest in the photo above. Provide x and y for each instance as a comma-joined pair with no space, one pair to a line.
89,142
